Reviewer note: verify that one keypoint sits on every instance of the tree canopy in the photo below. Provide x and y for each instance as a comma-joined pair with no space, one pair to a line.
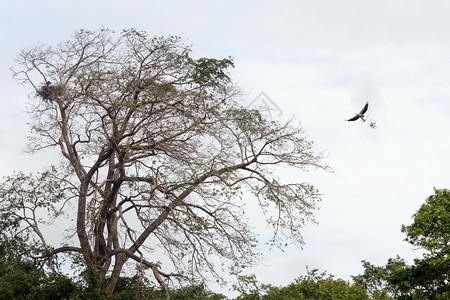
157,157
317,286
429,276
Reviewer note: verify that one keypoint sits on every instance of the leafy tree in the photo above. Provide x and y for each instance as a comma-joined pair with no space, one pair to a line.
20,276
315,286
428,277
196,292
156,157
431,227
375,280
25,281
134,288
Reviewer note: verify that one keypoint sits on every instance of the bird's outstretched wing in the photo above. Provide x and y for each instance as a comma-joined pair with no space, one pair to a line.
354,118
361,113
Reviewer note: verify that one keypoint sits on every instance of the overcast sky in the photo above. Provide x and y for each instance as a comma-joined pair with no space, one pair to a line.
318,62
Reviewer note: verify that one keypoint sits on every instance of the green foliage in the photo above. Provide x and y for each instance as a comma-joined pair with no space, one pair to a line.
375,280
196,292
211,70
25,281
313,286
20,278
431,227
427,278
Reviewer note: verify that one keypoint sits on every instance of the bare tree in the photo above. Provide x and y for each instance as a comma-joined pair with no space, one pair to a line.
160,155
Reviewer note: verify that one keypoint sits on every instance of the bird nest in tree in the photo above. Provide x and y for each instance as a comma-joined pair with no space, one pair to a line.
50,92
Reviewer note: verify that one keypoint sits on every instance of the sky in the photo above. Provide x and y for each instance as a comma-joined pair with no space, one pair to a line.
316,62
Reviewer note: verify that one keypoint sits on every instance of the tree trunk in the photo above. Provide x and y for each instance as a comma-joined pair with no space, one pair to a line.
118,265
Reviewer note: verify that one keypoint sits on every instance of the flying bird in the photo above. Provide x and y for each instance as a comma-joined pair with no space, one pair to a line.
360,115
